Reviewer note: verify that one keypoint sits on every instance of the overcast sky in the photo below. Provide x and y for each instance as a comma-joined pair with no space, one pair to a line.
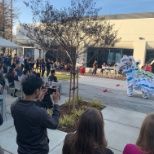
108,7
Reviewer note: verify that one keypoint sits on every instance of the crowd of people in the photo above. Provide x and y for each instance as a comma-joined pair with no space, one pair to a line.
31,119
18,68
31,123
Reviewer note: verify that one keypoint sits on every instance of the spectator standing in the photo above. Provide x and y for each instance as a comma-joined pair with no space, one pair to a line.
82,69
145,141
21,59
8,62
95,66
48,65
37,64
148,67
31,121
89,137
43,64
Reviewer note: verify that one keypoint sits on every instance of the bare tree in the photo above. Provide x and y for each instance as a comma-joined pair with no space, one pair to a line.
74,28
7,14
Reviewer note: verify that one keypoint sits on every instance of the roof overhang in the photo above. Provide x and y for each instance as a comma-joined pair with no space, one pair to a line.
7,44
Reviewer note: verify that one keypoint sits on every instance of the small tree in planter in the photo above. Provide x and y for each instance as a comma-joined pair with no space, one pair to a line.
74,29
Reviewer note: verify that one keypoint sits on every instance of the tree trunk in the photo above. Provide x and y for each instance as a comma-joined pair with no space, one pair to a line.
73,88
77,84
70,90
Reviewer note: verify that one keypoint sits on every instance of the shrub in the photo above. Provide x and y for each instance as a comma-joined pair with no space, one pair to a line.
50,111
80,100
78,113
96,103
66,121
84,107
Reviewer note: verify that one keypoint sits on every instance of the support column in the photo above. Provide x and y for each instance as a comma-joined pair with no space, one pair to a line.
140,51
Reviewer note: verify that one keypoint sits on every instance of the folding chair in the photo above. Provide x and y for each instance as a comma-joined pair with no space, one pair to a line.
7,86
3,104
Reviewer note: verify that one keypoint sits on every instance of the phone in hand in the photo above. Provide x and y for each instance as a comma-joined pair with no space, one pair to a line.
51,90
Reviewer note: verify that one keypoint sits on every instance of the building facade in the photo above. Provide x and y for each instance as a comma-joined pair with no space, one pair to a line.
137,39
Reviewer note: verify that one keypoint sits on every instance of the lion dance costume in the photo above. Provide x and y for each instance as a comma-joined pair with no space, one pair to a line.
136,78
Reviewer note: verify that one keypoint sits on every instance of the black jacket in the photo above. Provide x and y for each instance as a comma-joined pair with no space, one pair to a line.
31,122
1,119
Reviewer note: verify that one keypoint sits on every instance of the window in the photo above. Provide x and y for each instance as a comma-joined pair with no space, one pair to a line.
106,55
29,52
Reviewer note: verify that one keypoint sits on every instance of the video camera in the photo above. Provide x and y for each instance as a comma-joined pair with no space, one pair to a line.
49,89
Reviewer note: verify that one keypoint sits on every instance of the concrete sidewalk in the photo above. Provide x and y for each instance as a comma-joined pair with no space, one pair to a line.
121,126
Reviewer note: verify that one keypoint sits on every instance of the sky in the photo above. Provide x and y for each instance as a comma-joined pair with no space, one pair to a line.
109,7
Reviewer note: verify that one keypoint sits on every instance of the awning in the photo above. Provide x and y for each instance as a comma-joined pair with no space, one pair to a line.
7,44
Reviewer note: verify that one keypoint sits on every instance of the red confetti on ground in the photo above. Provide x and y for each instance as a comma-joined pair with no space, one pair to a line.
105,90
118,85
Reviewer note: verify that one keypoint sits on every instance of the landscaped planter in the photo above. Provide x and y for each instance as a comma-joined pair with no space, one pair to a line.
69,119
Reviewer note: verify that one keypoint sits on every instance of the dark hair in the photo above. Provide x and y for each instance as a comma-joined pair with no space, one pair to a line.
90,133
1,67
30,84
11,70
52,71
145,139
25,71
38,74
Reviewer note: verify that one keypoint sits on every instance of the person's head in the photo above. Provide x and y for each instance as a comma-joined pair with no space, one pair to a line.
32,86
90,132
38,74
145,139
11,70
52,72
26,72
18,67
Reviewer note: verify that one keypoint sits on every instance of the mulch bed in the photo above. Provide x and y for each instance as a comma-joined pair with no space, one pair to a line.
64,110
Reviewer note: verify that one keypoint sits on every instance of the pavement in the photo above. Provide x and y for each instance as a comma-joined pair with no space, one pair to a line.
122,116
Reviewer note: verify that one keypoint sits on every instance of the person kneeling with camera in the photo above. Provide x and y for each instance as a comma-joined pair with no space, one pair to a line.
30,120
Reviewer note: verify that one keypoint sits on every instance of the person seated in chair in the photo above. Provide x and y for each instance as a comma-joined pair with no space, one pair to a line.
52,77
2,80
24,75
1,122
104,66
18,70
11,76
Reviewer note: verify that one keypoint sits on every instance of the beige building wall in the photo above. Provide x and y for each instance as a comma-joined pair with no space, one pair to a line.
137,34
